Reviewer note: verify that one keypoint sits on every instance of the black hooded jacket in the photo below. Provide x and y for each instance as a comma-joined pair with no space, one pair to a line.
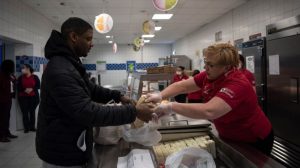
69,105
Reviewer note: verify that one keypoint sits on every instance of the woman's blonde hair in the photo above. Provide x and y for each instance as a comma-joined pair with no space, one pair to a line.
225,54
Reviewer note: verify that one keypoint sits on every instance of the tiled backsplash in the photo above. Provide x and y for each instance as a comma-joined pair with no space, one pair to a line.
121,66
34,61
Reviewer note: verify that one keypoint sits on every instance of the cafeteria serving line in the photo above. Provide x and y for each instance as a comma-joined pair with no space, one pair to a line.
149,83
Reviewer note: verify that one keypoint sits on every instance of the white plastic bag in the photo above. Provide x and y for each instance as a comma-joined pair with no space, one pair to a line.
146,135
190,157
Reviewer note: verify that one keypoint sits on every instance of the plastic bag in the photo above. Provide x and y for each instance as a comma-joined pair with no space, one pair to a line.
146,135
107,135
191,157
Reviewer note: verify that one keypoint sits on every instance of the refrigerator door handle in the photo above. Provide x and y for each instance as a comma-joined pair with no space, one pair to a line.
294,90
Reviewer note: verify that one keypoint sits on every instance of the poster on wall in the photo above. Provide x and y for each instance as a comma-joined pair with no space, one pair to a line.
100,66
250,64
130,66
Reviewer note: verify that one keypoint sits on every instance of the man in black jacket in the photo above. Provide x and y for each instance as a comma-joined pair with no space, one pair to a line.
70,105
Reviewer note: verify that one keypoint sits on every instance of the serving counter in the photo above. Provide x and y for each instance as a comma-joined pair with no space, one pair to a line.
228,154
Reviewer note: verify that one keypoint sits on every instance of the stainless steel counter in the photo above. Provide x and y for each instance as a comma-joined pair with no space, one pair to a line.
229,154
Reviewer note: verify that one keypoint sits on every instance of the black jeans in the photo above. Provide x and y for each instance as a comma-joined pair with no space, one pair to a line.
265,145
28,105
4,119
180,98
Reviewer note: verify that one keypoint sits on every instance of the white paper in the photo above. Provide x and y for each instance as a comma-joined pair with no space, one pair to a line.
274,65
250,63
137,158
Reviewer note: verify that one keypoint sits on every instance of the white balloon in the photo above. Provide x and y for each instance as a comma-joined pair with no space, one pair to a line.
103,23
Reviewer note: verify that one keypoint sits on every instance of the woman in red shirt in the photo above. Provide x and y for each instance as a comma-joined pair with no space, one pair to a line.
195,97
249,75
229,100
179,76
28,85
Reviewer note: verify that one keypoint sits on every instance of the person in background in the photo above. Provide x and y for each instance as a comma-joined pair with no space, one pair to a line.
246,72
195,97
7,80
71,105
28,96
179,76
229,100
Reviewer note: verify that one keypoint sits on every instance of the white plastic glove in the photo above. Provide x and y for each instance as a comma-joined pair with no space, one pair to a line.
153,97
164,109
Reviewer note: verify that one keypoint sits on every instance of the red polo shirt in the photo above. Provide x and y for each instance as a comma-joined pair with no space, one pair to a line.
195,95
249,76
178,78
246,122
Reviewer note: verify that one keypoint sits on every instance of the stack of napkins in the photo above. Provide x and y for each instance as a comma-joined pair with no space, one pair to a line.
137,158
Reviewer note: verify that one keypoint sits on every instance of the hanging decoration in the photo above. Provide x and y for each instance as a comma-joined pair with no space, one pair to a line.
164,5
135,48
103,23
149,27
139,42
115,47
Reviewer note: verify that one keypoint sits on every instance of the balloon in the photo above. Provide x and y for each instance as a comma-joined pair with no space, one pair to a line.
149,27
135,48
164,5
115,47
139,42
103,23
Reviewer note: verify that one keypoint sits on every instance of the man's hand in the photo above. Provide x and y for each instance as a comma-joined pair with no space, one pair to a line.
127,100
163,109
153,97
145,111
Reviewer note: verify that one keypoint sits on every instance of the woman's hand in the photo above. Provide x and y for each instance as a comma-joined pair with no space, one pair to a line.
153,97
163,109
28,90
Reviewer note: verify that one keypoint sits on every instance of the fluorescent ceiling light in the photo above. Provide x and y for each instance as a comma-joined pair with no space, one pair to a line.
146,41
157,28
162,16
107,36
148,35
110,42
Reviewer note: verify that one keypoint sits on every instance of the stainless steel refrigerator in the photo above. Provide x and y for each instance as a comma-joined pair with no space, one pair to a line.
283,73
254,52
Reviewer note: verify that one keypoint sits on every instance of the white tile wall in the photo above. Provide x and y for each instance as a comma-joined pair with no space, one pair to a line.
250,18
151,53
20,22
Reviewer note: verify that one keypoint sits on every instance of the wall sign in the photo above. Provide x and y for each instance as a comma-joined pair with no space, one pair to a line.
218,36
254,36
274,65
250,63
130,66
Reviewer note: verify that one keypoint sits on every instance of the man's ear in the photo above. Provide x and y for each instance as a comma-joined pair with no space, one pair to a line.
73,37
